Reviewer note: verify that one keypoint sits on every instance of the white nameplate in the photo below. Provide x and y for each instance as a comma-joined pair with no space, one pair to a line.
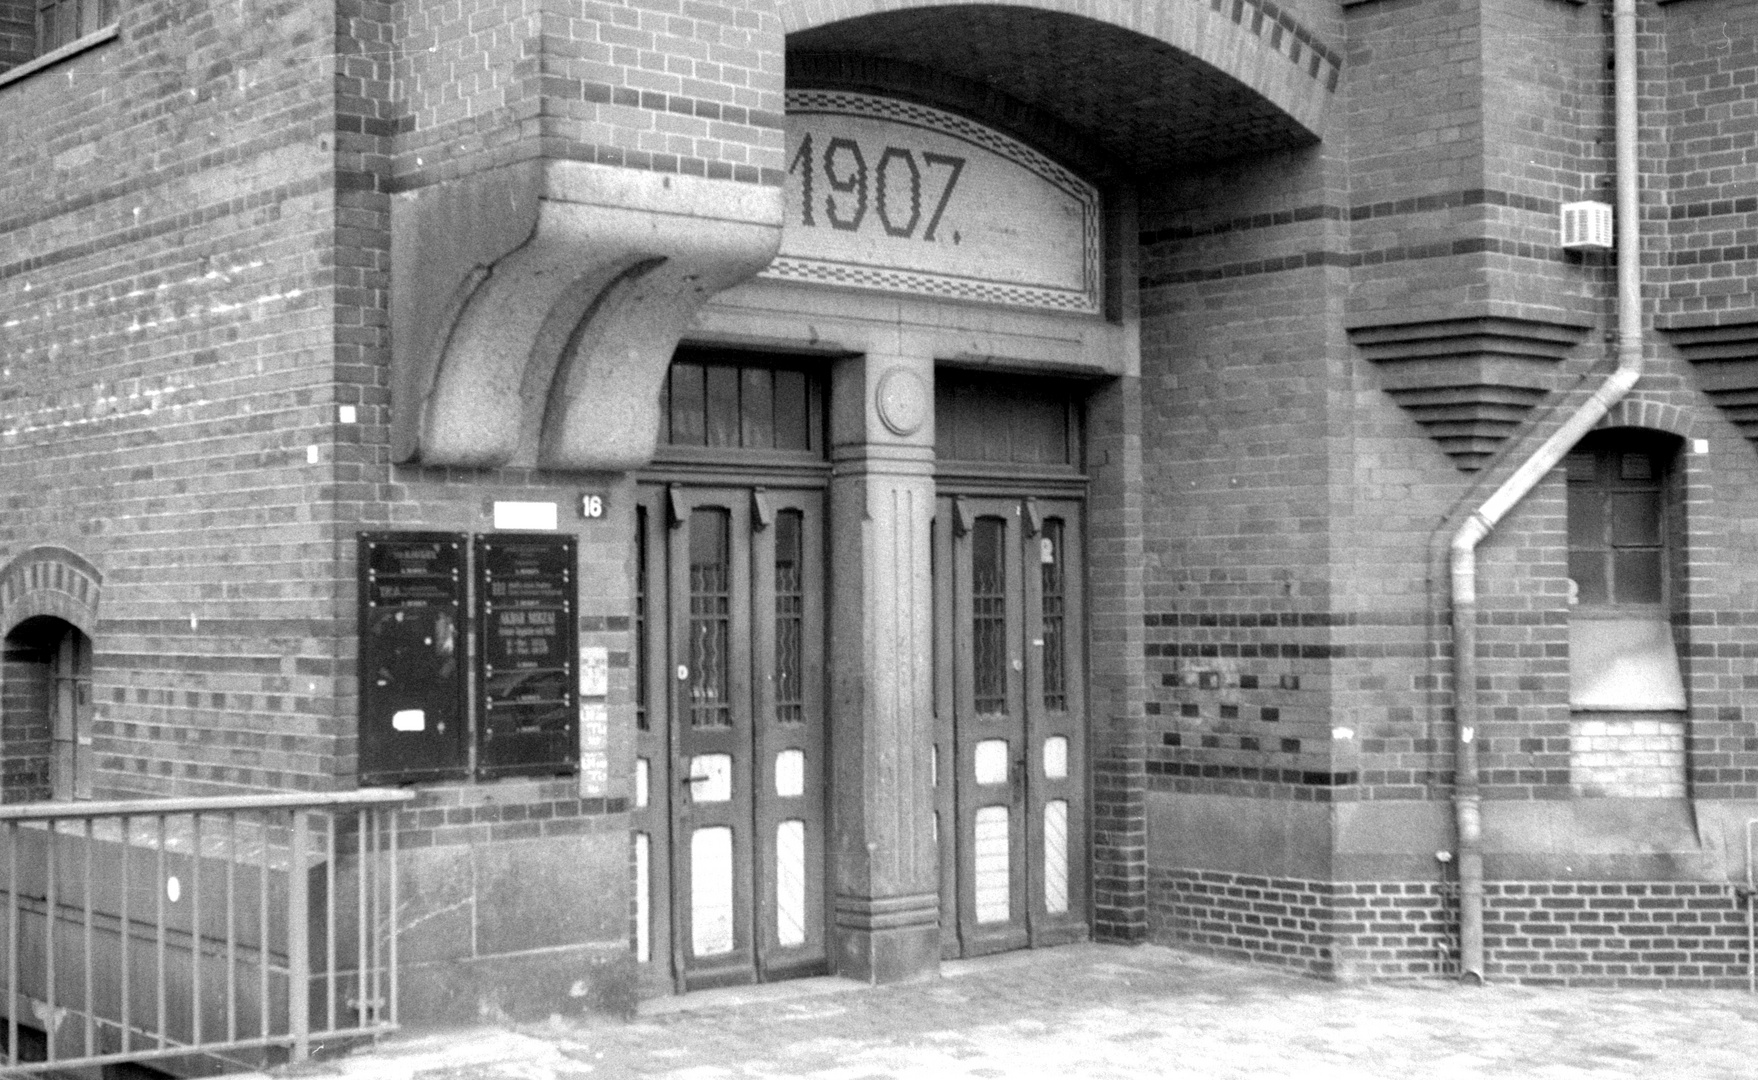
899,197
525,515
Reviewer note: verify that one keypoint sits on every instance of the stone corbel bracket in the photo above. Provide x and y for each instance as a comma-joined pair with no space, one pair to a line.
1469,382
534,309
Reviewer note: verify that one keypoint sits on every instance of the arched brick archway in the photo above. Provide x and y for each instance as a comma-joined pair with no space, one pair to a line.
50,581
48,617
1184,79
1640,412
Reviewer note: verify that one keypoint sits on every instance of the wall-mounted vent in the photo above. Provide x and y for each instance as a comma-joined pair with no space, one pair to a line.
1587,226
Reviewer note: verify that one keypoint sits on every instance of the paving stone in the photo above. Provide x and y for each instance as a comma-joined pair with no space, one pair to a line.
1107,1012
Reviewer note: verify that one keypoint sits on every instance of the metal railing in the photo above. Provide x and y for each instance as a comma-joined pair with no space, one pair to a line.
240,929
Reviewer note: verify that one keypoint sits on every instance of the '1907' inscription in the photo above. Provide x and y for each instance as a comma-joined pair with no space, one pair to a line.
844,166
899,197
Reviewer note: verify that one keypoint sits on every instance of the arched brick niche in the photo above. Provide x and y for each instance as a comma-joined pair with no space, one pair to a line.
1185,80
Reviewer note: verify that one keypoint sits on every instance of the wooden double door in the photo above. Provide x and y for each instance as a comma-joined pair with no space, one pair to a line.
730,794
1010,747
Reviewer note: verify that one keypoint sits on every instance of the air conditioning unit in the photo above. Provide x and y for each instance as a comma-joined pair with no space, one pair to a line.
1587,226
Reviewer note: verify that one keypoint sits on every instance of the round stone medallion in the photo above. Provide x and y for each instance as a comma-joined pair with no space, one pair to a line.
902,399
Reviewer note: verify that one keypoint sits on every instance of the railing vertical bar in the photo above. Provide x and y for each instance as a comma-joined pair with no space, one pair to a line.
195,928
125,930
333,819
262,925
299,939
389,815
163,885
69,990
50,902
90,1021
231,926
13,997
377,955
363,997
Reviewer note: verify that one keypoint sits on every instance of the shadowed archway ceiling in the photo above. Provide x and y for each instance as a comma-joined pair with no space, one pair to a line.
1148,105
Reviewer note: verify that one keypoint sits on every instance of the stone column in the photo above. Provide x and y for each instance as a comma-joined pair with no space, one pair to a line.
884,870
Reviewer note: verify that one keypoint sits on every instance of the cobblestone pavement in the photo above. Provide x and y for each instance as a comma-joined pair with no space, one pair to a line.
1106,1012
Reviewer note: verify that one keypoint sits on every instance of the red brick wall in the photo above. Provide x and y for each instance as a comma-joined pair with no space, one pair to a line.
165,287
1626,934
1237,355
1710,49
635,84
1278,459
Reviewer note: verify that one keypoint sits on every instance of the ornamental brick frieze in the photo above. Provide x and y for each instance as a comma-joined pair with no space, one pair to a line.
1726,361
1469,382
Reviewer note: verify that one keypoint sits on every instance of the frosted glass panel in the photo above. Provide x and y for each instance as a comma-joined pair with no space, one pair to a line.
711,891
643,898
711,778
992,878
642,778
991,761
790,883
790,773
1056,757
1056,856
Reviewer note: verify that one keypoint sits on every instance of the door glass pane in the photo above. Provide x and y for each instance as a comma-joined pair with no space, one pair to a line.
710,617
643,898
1056,757
1635,518
1055,584
790,773
1587,568
711,891
1635,467
790,607
790,883
994,894
990,761
711,778
1056,856
1586,518
989,615
641,618
1637,575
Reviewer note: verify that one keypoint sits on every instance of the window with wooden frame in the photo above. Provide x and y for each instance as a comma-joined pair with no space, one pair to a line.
37,33
720,404
62,22
1624,535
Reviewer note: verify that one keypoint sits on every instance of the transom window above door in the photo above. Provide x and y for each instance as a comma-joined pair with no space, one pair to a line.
725,401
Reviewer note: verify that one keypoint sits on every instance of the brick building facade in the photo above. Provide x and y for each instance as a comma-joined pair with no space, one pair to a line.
1081,570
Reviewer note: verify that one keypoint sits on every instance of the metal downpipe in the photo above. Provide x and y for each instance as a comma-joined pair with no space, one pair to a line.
1467,801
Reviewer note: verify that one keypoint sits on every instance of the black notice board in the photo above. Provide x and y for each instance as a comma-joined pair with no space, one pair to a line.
411,590
527,686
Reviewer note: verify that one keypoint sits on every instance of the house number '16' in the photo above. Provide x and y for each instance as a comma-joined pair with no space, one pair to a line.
891,186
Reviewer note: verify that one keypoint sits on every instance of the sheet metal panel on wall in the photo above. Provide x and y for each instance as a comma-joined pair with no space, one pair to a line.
527,686
411,679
